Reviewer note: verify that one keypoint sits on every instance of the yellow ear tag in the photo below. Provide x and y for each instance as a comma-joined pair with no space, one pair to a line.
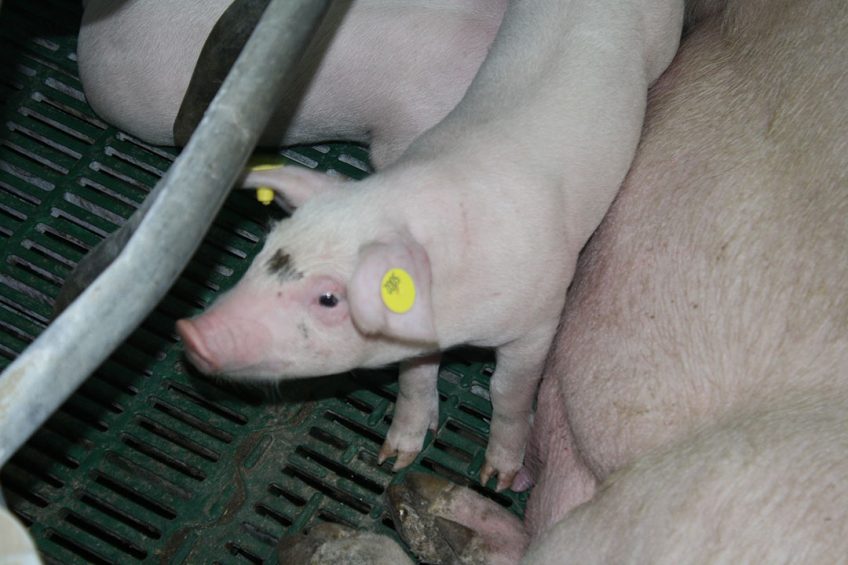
264,194
398,291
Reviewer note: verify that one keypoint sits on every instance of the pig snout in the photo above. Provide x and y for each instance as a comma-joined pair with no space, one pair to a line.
216,347
196,347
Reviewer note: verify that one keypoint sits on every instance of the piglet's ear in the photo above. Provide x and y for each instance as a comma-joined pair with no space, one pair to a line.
389,293
294,184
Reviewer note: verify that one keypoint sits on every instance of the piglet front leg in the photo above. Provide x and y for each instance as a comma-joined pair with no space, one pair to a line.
416,410
513,389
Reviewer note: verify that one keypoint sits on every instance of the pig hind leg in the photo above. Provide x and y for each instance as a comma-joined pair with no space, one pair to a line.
442,522
334,543
765,486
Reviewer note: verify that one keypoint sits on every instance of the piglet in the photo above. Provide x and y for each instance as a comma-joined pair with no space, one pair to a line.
376,72
151,67
476,227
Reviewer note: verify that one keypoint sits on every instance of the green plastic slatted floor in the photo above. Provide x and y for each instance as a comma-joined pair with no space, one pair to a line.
148,461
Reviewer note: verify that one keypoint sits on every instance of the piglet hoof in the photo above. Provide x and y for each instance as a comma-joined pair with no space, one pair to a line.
445,523
404,458
332,543
502,461
505,478
406,438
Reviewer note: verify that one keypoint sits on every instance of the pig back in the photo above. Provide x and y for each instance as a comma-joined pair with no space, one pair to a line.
718,280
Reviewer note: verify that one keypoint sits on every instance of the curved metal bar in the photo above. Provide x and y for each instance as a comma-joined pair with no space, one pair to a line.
186,201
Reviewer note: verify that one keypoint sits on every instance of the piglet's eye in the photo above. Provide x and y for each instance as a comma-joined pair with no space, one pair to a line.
328,300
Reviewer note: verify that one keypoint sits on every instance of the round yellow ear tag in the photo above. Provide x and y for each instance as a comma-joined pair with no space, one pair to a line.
398,291
264,194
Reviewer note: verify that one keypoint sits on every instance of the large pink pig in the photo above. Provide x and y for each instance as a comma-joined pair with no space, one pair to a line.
695,408
483,216
377,71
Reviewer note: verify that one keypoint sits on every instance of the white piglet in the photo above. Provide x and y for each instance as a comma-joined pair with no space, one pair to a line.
483,216
366,75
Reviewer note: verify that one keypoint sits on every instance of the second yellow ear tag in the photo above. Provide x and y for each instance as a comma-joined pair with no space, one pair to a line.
398,291
264,194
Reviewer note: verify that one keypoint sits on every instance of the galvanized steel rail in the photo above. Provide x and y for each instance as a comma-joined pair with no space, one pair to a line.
186,201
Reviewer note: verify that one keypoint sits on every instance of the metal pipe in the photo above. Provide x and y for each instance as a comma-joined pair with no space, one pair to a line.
187,199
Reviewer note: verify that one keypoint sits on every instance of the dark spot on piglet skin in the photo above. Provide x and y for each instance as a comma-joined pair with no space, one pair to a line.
280,265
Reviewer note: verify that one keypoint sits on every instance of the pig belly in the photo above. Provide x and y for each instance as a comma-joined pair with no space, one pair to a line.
716,289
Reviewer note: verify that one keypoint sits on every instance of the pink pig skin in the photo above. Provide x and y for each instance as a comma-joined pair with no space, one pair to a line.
487,210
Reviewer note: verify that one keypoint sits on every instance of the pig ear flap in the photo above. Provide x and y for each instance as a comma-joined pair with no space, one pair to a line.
389,293
295,185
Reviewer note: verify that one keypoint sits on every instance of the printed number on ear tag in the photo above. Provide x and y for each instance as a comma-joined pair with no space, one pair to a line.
398,291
